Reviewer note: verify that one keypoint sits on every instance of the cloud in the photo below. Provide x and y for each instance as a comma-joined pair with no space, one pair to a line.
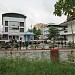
36,10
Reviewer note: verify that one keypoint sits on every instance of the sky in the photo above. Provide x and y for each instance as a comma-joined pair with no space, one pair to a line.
37,11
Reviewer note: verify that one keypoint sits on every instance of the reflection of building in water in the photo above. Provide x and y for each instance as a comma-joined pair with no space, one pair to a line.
14,26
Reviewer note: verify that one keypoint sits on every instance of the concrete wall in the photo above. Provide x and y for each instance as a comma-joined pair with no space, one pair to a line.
67,55
64,55
31,54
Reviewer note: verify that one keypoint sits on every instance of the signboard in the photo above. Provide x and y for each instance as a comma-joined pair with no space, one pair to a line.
13,25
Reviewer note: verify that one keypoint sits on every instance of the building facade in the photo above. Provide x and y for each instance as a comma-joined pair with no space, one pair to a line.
70,34
14,26
42,27
45,30
61,29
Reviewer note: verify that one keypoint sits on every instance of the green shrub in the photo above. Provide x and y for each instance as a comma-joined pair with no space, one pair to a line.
25,67
71,44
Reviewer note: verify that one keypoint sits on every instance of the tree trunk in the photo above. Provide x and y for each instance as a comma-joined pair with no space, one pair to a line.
72,34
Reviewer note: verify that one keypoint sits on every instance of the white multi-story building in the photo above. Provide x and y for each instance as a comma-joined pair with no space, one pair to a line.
45,27
70,34
61,28
14,26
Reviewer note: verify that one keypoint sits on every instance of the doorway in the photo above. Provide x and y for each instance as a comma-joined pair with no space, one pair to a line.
13,37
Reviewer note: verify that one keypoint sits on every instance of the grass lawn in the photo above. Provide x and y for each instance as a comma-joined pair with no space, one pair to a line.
25,67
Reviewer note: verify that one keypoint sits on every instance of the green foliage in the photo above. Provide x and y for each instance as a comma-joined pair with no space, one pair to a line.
66,7
37,32
26,67
71,44
16,45
53,32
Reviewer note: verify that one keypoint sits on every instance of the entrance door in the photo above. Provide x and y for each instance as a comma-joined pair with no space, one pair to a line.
13,37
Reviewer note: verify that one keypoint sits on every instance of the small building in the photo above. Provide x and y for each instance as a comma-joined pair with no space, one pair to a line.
28,36
14,26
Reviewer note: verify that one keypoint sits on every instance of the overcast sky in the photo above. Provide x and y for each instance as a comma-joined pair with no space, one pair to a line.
37,11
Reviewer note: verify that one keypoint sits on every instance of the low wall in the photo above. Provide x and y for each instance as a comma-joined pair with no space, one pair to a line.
67,55
28,54
64,54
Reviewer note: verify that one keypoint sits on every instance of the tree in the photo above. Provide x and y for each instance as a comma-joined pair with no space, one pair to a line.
66,7
53,32
37,32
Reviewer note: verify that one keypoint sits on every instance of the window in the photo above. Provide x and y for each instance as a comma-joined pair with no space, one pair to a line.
6,23
21,24
21,29
10,37
6,29
5,36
